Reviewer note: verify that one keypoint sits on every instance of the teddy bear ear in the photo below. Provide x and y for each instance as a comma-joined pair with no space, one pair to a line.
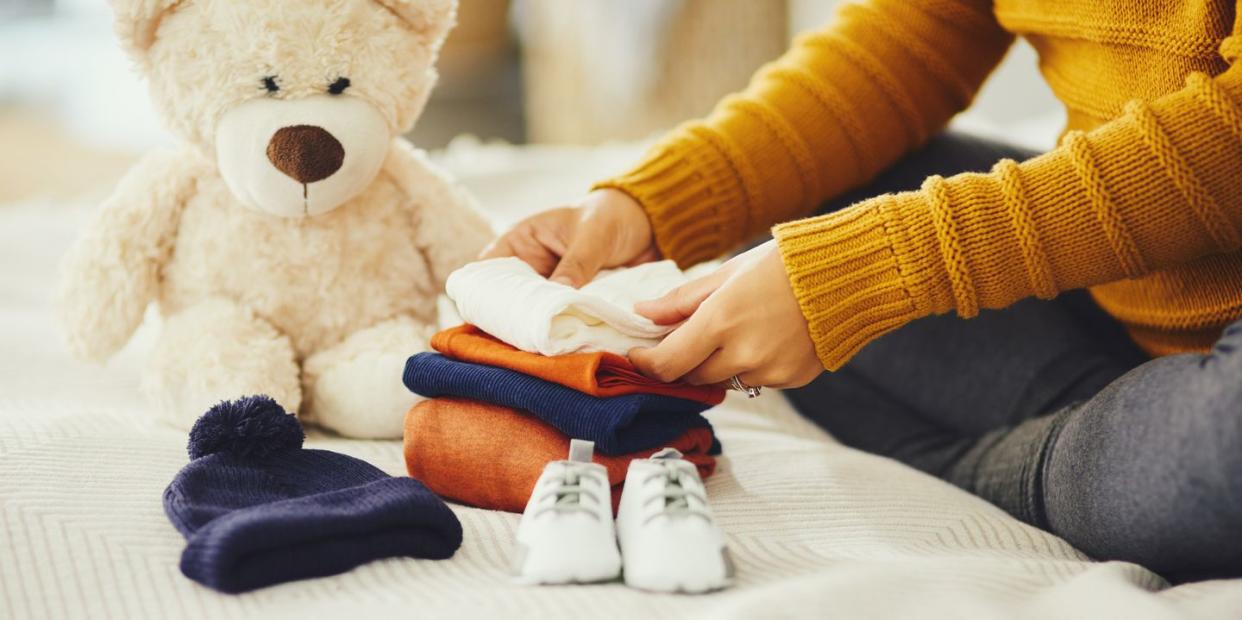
137,20
431,19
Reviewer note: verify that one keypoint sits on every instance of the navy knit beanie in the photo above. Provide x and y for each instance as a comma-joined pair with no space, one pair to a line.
258,509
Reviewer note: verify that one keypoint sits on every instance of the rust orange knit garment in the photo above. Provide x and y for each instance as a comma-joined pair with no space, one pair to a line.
599,374
490,456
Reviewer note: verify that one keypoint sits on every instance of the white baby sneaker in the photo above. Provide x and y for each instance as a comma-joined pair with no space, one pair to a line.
669,539
566,534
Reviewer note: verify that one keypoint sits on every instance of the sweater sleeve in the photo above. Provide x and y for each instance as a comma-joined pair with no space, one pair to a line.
843,104
1154,188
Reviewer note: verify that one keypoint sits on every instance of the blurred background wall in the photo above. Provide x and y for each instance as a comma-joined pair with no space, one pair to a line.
73,115
602,69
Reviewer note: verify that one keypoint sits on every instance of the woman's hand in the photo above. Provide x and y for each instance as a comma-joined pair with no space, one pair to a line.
742,320
571,244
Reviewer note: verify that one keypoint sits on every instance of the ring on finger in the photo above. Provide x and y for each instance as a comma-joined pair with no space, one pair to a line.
736,383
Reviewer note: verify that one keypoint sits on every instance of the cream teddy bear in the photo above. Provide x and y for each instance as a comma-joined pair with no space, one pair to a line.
295,245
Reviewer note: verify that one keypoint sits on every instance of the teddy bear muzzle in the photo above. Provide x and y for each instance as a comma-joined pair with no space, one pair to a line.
300,157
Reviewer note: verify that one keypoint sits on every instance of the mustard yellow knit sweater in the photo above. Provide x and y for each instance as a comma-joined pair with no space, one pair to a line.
1142,201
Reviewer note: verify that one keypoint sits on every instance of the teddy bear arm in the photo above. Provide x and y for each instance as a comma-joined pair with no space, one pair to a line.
111,274
449,229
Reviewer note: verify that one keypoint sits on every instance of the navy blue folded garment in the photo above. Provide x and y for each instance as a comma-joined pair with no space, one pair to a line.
617,425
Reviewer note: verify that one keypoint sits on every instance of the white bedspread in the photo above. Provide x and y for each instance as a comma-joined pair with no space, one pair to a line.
817,529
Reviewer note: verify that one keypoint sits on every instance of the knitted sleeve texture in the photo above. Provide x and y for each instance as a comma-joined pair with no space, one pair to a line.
1159,186
843,104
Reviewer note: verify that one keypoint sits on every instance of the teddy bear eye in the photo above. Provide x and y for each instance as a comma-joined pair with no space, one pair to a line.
338,86
270,84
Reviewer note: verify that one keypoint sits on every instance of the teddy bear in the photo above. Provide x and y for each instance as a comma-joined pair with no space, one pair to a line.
293,244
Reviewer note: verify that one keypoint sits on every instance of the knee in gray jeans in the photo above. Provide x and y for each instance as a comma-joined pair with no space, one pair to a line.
1150,469
1215,399
1220,405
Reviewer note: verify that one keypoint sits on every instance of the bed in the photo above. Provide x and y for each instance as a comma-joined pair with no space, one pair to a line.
816,529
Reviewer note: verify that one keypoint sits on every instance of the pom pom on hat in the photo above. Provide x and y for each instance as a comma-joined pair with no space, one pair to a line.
252,426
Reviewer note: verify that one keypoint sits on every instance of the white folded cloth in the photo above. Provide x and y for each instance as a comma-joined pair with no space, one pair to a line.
506,298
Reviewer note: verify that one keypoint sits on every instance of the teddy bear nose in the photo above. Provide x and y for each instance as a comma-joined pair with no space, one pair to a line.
305,153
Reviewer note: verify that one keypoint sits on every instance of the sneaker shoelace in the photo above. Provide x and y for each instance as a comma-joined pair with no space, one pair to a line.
569,491
678,487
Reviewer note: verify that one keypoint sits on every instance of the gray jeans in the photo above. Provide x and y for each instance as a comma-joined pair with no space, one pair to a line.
1048,410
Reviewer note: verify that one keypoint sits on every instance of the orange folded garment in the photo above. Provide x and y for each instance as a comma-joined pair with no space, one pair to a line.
598,374
491,456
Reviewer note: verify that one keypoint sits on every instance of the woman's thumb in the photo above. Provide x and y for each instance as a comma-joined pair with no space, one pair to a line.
582,260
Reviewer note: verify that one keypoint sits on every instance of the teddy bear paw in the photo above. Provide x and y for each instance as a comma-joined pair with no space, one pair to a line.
362,396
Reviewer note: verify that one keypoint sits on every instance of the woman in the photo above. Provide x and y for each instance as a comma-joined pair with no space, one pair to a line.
1096,388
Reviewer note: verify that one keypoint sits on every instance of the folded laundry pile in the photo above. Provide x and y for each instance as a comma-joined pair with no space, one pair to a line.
491,456
597,373
617,425
501,405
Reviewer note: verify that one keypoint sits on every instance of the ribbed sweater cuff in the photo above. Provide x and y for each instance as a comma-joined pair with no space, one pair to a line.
856,273
693,197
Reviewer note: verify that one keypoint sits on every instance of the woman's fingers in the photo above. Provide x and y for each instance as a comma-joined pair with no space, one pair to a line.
528,245
585,256
678,304
571,244
538,241
717,369
680,352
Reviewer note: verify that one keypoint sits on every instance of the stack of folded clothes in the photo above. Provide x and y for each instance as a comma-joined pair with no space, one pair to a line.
537,364
495,415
